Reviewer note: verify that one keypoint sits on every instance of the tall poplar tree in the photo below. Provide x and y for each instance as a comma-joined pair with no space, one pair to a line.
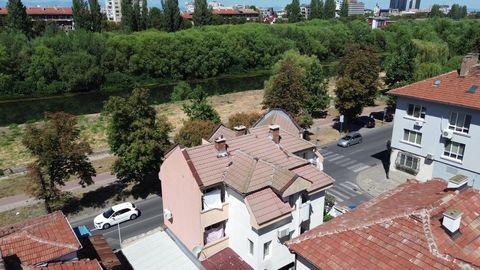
329,9
128,16
17,18
293,11
145,16
95,15
81,15
171,15
202,14
314,10
344,9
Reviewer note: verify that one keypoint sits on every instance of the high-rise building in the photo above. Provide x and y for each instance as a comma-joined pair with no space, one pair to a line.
355,8
113,9
403,5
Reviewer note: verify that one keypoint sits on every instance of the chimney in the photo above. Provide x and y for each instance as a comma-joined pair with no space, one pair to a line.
469,61
221,146
240,130
451,221
275,133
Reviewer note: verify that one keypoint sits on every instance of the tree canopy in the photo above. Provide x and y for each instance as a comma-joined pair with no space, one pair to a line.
17,19
293,11
202,14
59,153
316,9
136,136
329,9
198,108
193,131
171,15
344,9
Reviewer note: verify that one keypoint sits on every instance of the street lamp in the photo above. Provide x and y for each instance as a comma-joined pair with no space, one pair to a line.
119,235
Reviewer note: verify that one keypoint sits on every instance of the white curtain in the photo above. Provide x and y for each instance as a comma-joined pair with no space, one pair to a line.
214,234
212,199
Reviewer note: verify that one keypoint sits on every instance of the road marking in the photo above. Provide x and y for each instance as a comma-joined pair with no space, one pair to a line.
337,193
131,224
348,163
352,184
347,191
356,166
338,162
350,188
328,153
361,168
335,158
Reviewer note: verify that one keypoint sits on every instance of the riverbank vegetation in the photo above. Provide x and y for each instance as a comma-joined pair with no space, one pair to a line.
79,61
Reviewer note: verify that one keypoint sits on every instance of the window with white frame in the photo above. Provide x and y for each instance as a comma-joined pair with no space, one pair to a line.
412,136
267,249
250,247
408,163
459,122
416,111
454,150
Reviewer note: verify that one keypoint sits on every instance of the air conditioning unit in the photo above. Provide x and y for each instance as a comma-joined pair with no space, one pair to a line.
283,232
418,123
429,157
447,133
167,214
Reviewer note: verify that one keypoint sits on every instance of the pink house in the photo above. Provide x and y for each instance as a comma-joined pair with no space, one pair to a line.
249,193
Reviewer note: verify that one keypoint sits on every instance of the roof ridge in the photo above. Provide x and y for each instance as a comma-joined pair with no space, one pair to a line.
53,243
254,163
418,82
427,230
388,194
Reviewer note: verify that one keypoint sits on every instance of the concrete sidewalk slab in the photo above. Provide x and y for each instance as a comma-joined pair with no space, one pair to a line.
374,181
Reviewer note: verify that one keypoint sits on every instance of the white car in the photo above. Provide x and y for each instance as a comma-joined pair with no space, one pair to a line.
116,214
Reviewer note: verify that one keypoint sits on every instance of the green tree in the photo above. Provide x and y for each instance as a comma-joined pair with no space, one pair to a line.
243,118
59,154
95,15
457,12
171,15
316,84
293,12
329,9
285,89
17,18
181,91
145,16
136,136
435,12
193,131
81,15
350,98
315,9
198,108
156,18
344,9
128,16
400,65
202,14
362,66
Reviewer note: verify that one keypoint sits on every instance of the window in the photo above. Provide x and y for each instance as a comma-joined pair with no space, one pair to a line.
250,247
214,233
266,249
304,196
408,163
213,198
412,136
459,122
454,150
416,111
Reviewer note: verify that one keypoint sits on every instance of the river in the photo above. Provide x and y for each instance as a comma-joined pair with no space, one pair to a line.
22,111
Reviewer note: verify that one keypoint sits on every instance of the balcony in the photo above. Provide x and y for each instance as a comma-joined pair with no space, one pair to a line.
214,215
305,212
213,248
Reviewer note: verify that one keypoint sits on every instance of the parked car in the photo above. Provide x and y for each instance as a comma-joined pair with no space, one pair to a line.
350,139
364,121
380,116
116,214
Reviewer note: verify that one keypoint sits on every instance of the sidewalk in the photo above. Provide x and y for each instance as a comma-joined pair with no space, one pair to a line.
20,200
374,181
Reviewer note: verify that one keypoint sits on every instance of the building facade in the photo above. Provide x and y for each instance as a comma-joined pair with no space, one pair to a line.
61,16
404,5
249,193
355,8
437,126
113,10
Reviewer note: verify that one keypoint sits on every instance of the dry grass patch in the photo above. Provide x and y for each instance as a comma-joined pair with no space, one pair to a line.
22,213
325,135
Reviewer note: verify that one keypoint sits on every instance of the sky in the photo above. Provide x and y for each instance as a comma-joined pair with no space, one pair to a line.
471,4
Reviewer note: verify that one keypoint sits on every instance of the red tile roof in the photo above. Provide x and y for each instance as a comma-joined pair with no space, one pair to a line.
74,265
266,206
225,11
281,118
400,229
221,130
452,89
39,239
226,259
43,11
289,141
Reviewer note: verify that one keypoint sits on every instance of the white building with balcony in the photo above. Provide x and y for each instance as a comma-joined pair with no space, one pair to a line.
437,126
247,192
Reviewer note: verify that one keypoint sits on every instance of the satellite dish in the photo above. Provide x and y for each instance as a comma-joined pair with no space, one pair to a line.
196,250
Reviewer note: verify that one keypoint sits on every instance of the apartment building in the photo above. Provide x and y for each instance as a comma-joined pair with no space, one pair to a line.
113,9
436,129
61,16
245,193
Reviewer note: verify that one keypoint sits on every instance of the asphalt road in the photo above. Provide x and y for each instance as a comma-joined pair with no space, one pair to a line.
344,164
151,217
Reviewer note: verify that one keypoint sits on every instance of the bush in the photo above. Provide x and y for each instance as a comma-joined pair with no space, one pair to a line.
193,131
181,91
243,118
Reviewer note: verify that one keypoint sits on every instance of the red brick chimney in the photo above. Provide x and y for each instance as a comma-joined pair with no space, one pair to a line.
240,130
469,61
221,146
275,133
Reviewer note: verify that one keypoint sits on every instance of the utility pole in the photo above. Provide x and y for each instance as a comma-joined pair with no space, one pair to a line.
119,235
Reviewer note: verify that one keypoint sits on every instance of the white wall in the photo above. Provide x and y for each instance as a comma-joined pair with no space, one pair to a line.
317,202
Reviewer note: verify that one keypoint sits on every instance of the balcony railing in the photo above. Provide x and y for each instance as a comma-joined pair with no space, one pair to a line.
214,215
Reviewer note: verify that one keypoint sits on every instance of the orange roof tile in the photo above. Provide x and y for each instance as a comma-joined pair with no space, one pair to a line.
452,89
226,259
290,142
265,205
221,130
281,118
400,229
40,239
32,11
75,265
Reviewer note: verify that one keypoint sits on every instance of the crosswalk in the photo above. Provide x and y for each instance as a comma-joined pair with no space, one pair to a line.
344,191
343,161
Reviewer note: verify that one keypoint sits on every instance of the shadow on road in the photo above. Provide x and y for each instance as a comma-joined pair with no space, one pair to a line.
384,157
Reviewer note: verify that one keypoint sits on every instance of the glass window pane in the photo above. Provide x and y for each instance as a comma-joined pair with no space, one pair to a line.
409,162
416,111
453,118
415,163
410,109
447,146
405,135
402,159
419,138
460,120
466,126
424,111
461,149
411,138
454,148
